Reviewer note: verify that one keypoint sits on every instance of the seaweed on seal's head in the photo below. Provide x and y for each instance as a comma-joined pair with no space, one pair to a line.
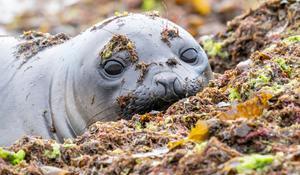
119,43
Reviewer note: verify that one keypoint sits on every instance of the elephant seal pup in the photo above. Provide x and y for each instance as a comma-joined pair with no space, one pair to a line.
125,65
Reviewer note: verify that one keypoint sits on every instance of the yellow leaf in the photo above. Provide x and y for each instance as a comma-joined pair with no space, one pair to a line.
174,144
251,108
202,6
199,132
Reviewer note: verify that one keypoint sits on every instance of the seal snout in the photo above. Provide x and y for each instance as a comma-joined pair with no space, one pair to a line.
171,85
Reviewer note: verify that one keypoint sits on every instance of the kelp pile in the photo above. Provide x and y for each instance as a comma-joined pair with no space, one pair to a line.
247,121
252,31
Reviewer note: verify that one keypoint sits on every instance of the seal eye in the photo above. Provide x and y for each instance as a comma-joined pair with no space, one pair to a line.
113,67
190,55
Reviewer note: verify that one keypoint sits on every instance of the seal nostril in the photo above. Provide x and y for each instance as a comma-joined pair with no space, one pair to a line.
177,86
169,85
161,87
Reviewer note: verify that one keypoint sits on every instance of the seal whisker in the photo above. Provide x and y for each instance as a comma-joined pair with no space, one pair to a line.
125,89
89,122
101,103
100,112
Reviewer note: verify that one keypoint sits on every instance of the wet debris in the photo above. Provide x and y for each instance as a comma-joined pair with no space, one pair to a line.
125,104
169,34
119,43
143,68
252,31
124,100
121,14
153,14
172,62
32,42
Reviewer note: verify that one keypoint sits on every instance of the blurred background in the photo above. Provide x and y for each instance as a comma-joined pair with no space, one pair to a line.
199,17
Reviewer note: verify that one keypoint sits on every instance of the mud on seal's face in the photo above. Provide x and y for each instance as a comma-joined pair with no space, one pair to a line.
152,62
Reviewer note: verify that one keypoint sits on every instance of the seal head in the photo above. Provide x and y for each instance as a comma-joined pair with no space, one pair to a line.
134,64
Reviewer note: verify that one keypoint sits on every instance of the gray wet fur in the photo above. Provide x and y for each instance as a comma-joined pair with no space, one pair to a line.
60,91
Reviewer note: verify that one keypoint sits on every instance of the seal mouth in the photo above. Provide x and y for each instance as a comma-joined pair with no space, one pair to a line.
158,98
160,105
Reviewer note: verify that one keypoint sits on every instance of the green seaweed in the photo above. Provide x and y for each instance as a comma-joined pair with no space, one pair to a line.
68,145
234,94
253,162
214,48
274,89
283,65
54,153
151,126
260,80
107,52
13,158
138,126
292,39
